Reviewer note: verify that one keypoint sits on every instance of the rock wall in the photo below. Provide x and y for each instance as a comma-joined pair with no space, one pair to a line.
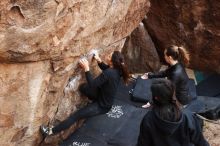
40,45
140,52
192,23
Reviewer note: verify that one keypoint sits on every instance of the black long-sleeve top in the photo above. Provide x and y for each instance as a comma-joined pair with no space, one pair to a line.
106,83
177,74
155,131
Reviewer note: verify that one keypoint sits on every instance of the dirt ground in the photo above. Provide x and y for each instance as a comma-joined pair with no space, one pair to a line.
212,133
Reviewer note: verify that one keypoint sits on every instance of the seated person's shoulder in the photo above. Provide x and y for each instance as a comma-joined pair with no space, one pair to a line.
191,118
188,114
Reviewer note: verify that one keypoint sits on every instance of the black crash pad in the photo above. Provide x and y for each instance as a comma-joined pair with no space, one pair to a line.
103,126
142,90
208,107
105,129
82,139
124,95
108,130
128,136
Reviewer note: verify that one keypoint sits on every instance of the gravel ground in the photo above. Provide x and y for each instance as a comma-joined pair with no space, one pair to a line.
212,133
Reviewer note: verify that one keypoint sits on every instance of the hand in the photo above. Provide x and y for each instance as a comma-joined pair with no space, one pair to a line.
144,76
146,105
97,58
84,64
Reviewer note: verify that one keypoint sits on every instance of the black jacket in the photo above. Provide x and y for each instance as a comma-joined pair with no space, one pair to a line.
156,132
178,76
106,83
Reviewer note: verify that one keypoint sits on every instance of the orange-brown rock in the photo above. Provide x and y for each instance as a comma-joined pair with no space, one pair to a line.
6,120
40,45
193,23
39,30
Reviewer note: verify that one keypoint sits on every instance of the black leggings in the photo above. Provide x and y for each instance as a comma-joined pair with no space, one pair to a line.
90,110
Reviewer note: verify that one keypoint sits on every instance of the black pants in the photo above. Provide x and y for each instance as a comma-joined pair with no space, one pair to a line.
90,110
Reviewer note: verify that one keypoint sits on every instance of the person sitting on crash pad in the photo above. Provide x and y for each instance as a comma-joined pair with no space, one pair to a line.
101,90
165,124
177,58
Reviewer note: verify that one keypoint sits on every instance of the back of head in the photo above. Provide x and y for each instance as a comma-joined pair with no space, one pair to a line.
163,93
178,53
119,63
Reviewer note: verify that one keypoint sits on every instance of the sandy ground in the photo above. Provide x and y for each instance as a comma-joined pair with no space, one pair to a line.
212,133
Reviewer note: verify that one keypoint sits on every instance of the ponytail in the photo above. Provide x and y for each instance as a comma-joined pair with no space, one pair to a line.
178,53
183,56
125,73
118,63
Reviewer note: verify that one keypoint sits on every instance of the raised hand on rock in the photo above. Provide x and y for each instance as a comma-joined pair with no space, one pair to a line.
84,64
97,58
144,76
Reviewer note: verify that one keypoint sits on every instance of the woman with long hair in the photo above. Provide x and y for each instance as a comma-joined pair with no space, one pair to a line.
100,90
165,124
177,59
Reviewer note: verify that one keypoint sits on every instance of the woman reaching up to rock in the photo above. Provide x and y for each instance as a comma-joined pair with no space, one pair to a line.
100,90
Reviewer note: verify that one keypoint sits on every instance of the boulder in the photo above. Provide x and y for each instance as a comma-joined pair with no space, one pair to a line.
194,24
140,52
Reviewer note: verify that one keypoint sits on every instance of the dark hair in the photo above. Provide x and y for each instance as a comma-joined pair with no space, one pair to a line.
119,63
178,53
164,103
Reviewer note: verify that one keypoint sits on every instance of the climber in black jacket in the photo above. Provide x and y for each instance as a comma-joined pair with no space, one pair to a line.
100,90
177,58
165,124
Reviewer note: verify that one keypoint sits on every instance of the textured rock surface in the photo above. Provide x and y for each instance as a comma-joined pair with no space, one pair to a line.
21,100
140,52
40,45
38,30
193,23
211,133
